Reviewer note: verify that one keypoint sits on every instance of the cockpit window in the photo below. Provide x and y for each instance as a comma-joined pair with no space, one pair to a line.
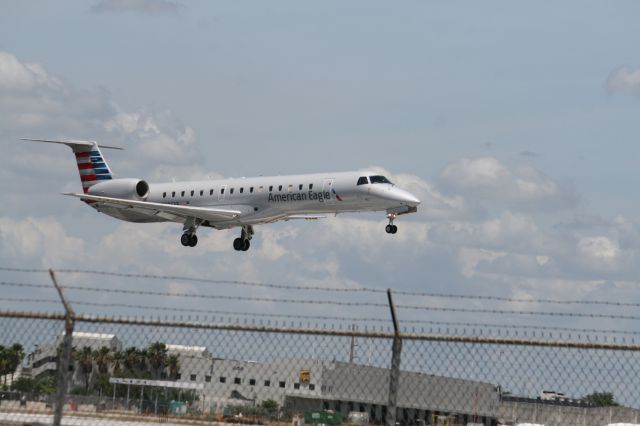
363,180
379,179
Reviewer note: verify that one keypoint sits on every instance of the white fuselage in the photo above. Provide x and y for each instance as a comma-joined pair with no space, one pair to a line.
267,199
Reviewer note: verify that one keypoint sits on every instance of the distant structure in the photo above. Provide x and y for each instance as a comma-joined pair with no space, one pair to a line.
298,385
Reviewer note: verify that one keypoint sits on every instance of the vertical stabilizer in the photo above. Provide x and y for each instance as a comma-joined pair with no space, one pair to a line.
92,166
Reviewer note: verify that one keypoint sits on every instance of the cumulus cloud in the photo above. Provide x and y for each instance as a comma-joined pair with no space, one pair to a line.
486,179
150,7
624,80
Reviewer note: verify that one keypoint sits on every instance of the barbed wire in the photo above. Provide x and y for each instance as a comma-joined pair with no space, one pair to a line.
327,289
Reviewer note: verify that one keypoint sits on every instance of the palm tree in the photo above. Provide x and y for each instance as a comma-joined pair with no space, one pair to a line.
130,357
174,366
141,360
157,356
4,362
118,359
15,357
103,358
84,359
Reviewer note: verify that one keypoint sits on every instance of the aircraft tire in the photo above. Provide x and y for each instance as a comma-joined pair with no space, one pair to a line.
389,229
185,239
246,245
193,240
238,244
394,229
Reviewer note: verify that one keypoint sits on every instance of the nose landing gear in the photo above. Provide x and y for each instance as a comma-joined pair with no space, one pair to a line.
242,243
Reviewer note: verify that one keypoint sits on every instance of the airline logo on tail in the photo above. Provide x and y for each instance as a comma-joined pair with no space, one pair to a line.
92,167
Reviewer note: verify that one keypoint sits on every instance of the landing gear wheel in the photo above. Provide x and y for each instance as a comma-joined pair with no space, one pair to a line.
246,245
185,239
394,229
238,244
389,229
193,240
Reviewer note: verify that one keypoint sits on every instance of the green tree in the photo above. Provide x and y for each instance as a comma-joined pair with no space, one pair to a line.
130,357
270,406
103,358
600,399
84,361
173,363
157,356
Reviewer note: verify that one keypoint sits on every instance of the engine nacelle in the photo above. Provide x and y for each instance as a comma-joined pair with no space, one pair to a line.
130,189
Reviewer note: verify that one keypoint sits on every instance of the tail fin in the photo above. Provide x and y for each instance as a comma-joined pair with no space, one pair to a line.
91,163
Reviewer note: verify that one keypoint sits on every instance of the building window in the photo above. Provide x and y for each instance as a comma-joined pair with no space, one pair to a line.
193,377
312,386
310,186
296,385
267,383
207,379
282,384
252,382
237,380
164,195
223,379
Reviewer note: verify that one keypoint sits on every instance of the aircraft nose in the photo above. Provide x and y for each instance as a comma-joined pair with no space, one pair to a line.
405,197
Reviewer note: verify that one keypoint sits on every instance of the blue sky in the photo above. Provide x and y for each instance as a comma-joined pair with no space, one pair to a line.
515,123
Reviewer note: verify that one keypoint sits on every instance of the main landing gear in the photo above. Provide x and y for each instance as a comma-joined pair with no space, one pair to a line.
189,238
391,228
242,243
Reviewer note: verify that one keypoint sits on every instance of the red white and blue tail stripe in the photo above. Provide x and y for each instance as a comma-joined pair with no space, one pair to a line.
91,163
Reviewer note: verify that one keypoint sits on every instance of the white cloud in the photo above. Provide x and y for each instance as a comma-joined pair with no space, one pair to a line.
487,180
598,248
624,80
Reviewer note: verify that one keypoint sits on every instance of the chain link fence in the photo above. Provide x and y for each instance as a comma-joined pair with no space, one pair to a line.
82,369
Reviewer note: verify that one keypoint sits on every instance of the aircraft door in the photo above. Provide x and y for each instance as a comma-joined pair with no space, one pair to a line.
327,186
223,193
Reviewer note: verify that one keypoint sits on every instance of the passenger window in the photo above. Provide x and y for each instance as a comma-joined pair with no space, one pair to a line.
182,193
260,188
363,180
300,187
279,187
173,194
270,188
290,188
310,186
231,191
241,190
251,190
222,191
201,192
211,192
192,192
164,195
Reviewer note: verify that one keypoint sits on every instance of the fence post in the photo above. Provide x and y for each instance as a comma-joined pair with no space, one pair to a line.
394,372
64,357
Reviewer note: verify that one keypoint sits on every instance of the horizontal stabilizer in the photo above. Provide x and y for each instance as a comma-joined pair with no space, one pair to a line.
72,143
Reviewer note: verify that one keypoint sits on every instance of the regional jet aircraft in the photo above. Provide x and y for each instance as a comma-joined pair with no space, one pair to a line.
229,203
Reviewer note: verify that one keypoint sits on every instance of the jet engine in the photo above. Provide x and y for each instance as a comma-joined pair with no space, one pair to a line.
130,189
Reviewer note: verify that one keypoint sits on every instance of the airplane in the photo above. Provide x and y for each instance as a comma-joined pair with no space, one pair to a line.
229,203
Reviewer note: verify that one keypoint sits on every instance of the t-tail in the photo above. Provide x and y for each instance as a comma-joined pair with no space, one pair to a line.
92,166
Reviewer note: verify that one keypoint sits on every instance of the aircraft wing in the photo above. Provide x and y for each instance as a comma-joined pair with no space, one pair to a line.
166,211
